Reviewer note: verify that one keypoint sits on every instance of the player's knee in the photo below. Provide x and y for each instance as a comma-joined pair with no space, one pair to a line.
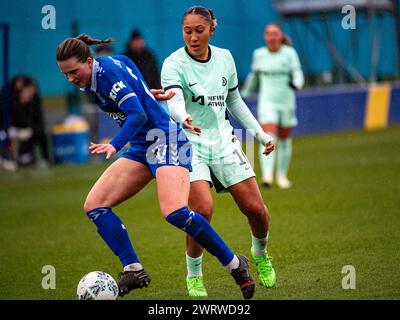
206,210
90,204
256,210
87,206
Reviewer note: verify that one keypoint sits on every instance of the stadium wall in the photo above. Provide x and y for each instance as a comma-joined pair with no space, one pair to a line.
341,108
240,28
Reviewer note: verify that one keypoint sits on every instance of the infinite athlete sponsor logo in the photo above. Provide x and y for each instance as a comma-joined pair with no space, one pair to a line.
275,73
213,101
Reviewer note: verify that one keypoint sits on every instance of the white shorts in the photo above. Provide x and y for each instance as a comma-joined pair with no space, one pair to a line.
282,118
225,171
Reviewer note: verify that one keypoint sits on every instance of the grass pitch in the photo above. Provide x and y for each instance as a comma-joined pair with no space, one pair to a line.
342,210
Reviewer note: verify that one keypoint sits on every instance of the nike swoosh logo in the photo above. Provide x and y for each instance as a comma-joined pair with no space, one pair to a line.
192,84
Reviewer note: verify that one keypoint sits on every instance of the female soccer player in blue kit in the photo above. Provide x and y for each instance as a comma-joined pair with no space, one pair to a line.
158,148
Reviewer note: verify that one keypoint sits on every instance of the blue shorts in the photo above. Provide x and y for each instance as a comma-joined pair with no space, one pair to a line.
161,153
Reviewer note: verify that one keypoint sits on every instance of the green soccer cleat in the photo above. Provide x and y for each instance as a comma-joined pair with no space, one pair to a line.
266,273
195,286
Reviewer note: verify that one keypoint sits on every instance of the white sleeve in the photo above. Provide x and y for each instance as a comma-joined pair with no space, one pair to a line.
176,105
242,114
297,79
297,74
251,83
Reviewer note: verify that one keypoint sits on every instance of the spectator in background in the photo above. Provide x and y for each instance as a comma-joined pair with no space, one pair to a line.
103,50
276,68
27,127
6,153
144,59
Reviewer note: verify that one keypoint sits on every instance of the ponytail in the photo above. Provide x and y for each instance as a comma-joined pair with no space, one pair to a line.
91,41
213,19
286,40
78,47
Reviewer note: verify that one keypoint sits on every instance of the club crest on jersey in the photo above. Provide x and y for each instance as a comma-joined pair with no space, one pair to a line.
224,81
115,88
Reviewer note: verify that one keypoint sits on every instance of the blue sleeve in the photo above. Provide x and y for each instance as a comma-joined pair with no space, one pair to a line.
113,85
130,64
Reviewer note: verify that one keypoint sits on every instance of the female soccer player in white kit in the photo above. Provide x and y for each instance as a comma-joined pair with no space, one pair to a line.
276,68
205,83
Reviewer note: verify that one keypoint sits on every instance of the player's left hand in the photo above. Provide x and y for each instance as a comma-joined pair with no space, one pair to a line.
269,148
108,149
160,95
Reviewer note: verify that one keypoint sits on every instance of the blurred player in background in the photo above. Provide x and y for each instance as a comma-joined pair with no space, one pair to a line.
204,80
158,148
276,68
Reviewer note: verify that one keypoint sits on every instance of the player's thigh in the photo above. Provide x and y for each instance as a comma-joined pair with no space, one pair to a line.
271,128
248,197
173,187
269,119
200,198
121,180
288,120
284,133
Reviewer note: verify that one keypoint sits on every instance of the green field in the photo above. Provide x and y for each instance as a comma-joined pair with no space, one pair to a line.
342,210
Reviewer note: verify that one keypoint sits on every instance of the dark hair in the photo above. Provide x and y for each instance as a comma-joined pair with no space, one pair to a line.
202,11
285,38
136,35
77,47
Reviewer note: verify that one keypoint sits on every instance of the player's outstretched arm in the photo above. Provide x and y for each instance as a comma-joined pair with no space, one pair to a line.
176,107
242,114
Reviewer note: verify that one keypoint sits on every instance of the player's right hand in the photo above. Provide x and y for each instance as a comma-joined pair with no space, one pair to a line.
106,148
194,129
269,148
160,95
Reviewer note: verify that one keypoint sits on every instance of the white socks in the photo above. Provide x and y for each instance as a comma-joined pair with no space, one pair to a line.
193,266
259,245
234,264
133,267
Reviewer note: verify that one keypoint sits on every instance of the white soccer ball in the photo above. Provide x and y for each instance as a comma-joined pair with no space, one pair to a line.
97,285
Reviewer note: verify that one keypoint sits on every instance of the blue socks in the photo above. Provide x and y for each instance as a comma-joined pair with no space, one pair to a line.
114,233
200,230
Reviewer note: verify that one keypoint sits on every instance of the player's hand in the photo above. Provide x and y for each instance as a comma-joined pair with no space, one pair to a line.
160,95
97,148
269,148
194,129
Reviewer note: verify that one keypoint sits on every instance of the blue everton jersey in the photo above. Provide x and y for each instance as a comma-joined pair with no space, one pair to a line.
119,90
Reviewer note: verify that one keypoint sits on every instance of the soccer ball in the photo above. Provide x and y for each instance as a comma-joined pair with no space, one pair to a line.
97,285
